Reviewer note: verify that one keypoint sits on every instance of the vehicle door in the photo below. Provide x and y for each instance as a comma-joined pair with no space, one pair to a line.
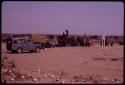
26,45
30,45
23,44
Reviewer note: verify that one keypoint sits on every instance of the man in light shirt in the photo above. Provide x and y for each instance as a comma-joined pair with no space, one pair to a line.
103,40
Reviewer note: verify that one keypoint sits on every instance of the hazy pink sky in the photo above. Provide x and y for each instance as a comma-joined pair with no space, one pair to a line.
54,17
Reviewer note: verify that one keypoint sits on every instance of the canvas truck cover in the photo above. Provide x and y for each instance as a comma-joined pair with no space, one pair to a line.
39,38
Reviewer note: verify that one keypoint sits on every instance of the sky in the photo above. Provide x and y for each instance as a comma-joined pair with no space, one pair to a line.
52,17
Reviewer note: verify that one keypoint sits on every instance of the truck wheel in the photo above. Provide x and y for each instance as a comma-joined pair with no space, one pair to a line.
19,50
12,51
37,50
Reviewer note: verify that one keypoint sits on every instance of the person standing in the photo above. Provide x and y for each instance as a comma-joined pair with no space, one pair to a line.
103,41
67,32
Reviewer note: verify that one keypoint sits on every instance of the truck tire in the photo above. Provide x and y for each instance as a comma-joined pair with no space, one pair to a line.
13,51
37,50
19,50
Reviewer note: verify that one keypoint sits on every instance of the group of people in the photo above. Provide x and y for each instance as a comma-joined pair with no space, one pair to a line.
66,40
84,41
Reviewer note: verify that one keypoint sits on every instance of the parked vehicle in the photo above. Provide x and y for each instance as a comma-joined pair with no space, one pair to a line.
20,45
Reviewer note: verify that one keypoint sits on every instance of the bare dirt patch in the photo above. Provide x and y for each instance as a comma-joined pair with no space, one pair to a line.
65,65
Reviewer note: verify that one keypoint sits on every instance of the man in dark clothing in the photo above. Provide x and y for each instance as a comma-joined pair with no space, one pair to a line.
67,32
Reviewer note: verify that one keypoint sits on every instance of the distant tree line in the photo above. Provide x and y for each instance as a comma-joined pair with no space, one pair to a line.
72,39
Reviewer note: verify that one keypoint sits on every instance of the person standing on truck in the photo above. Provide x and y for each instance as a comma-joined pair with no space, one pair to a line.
67,32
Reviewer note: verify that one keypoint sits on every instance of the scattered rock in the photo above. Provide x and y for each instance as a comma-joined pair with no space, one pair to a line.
13,76
28,75
39,77
5,70
12,79
39,71
115,80
34,79
105,79
83,80
45,76
2,70
57,79
62,82
51,76
23,77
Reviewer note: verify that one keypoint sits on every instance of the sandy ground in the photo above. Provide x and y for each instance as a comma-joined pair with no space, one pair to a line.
70,65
